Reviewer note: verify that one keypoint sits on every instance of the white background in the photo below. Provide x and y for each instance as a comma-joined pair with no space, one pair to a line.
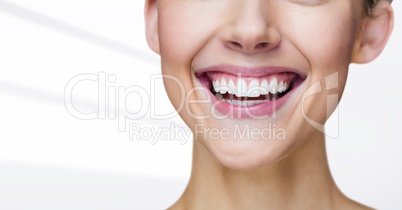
51,160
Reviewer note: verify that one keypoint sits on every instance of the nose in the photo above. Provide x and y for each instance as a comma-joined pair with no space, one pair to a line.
248,30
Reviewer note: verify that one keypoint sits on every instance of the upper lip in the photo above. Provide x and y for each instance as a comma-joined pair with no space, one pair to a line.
250,71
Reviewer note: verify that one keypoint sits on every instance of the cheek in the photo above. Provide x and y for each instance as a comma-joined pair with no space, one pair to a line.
332,54
334,49
183,31
326,42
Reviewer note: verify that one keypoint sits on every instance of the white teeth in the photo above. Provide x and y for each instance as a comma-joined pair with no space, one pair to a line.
244,102
217,86
253,89
264,89
273,85
232,87
248,103
241,88
235,102
224,87
281,87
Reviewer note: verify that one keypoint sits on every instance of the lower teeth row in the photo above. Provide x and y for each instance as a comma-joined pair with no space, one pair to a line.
240,102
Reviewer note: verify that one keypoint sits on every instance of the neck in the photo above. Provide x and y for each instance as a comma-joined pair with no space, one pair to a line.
302,180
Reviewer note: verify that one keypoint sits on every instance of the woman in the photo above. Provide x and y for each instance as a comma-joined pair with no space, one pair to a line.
258,80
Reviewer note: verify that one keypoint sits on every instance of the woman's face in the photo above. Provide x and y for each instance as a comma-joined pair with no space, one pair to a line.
253,76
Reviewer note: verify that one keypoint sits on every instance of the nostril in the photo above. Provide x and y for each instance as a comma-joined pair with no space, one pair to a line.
261,45
257,48
236,44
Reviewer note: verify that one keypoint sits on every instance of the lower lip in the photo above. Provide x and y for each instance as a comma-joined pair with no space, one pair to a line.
258,111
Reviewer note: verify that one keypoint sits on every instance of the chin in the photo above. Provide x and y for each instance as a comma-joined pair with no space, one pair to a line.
248,154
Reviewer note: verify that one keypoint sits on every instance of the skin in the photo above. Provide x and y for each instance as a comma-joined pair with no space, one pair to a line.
316,37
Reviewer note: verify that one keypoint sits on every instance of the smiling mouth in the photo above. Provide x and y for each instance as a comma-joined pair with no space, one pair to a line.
250,88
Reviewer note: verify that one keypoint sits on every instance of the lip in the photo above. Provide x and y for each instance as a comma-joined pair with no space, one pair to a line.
250,72
257,111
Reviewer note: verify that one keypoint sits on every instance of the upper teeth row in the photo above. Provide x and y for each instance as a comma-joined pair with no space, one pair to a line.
253,89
